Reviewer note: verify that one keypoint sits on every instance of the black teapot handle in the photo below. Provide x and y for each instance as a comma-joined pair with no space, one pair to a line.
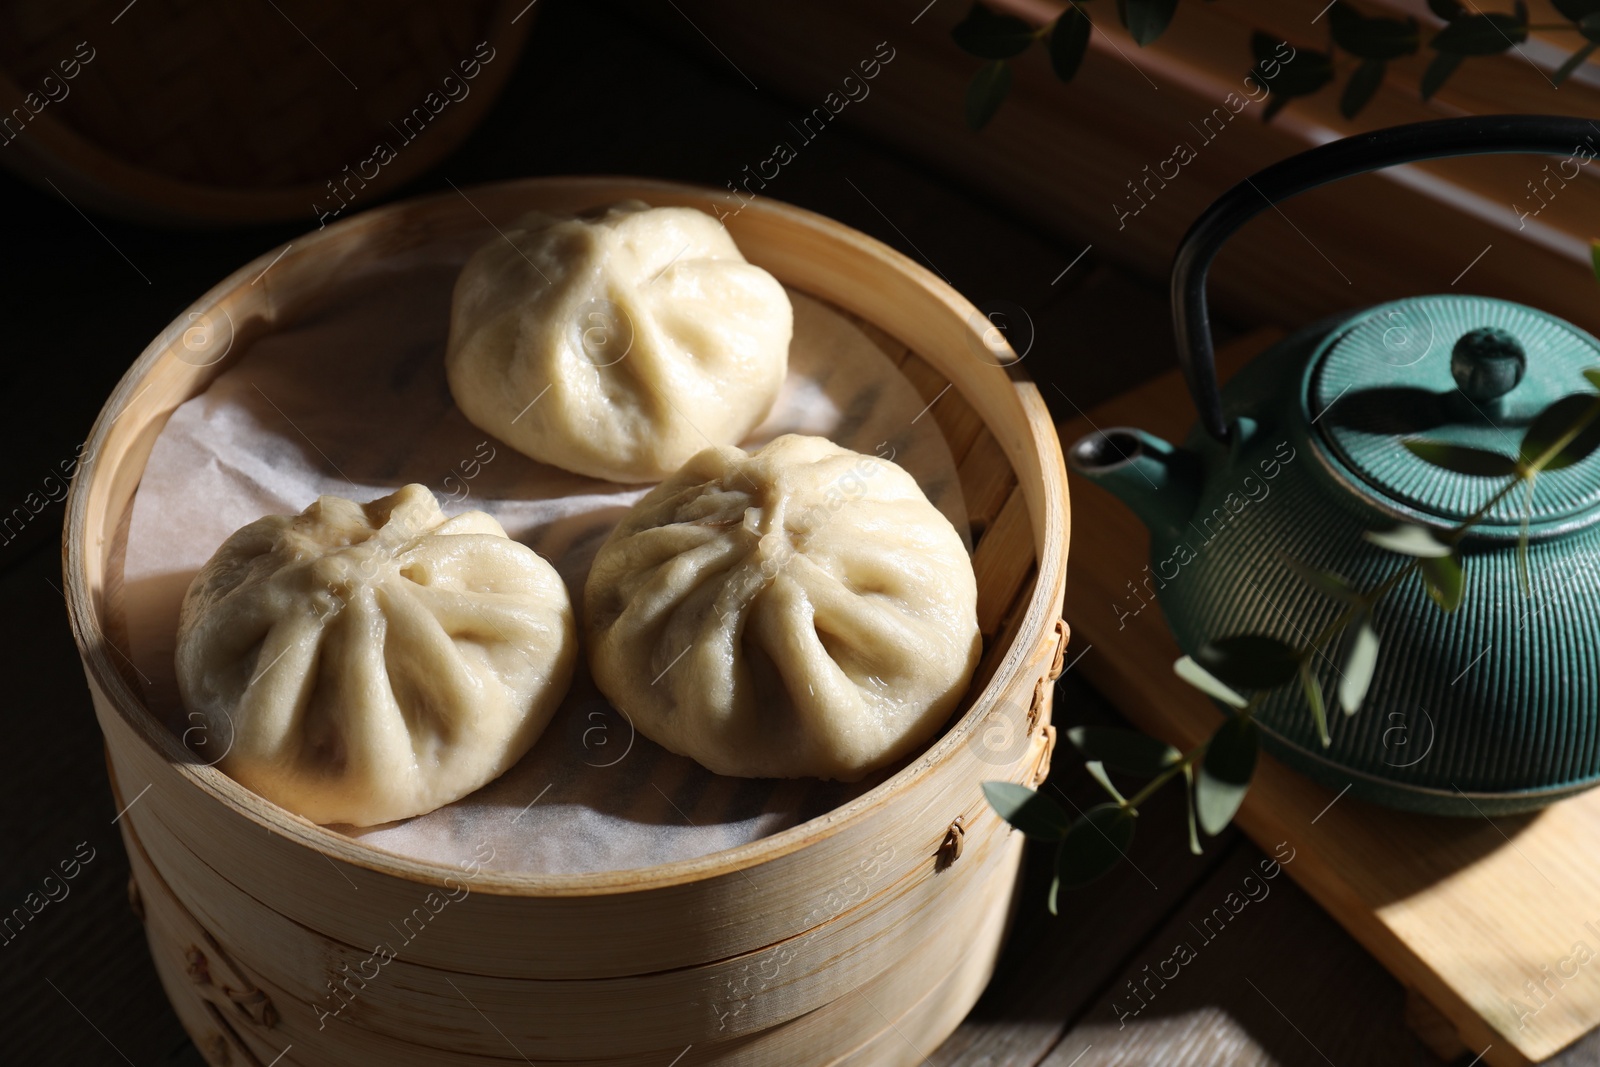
1344,158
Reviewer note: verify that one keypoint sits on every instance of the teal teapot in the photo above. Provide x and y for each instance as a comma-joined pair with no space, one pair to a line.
1321,442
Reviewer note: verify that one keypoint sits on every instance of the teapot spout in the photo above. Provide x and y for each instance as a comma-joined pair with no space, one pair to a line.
1159,482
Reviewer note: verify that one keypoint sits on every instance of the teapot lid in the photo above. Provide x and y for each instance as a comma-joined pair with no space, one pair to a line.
1457,369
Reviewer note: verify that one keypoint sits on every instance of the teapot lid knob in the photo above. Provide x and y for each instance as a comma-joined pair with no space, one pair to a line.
1450,369
1487,363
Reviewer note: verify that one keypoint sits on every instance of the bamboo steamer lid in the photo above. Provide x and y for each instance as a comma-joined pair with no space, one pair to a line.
175,112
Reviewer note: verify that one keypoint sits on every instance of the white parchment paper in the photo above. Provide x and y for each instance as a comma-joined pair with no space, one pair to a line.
353,402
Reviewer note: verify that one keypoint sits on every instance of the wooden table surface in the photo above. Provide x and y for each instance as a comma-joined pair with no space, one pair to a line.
1281,985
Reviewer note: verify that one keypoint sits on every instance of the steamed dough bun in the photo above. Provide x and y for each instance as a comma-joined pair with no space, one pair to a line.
798,611
617,343
361,663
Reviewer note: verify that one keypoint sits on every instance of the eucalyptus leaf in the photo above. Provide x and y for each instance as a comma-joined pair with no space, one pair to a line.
1481,35
1319,706
1372,38
1069,40
1461,459
1363,83
1249,661
1225,773
1097,771
1188,803
1327,582
1125,750
986,92
1097,840
1440,68
1592,376
988,34
1360,664
1581,412
1409,540
1032,812
1208,683
1146,20
1446,581
1575,60
1308,72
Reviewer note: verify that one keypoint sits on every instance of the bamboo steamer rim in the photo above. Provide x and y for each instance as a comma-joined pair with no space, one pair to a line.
84,608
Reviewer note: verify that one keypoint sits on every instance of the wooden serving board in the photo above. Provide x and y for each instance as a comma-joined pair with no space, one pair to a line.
1493,922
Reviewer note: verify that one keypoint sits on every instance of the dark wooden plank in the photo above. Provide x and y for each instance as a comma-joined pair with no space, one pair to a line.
1248,972
1054,966
76,982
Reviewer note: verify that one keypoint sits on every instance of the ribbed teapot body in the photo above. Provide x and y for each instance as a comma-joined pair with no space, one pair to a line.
1493,708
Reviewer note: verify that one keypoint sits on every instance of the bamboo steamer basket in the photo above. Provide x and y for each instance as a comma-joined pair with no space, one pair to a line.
218,114
860,937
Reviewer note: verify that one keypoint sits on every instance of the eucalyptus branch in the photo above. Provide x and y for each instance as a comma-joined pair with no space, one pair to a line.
1370,42
1217,771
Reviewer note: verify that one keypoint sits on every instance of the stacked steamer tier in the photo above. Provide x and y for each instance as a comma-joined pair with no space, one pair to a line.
832,942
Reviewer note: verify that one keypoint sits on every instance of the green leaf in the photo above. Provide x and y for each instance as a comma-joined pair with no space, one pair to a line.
1481,35
990,35
1573,62
1225,774
1461,459
1326,582
1372,38
1592,376
1069,39
1033,813
1124,750
1441,67
1097,841
1097,771
1249,661
1203,680
1188,803
1447,9
1319,706
1445,581
1146,19
1362,84
1409,540
1360,664
986,92
1308,72
1286,89
1550,442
